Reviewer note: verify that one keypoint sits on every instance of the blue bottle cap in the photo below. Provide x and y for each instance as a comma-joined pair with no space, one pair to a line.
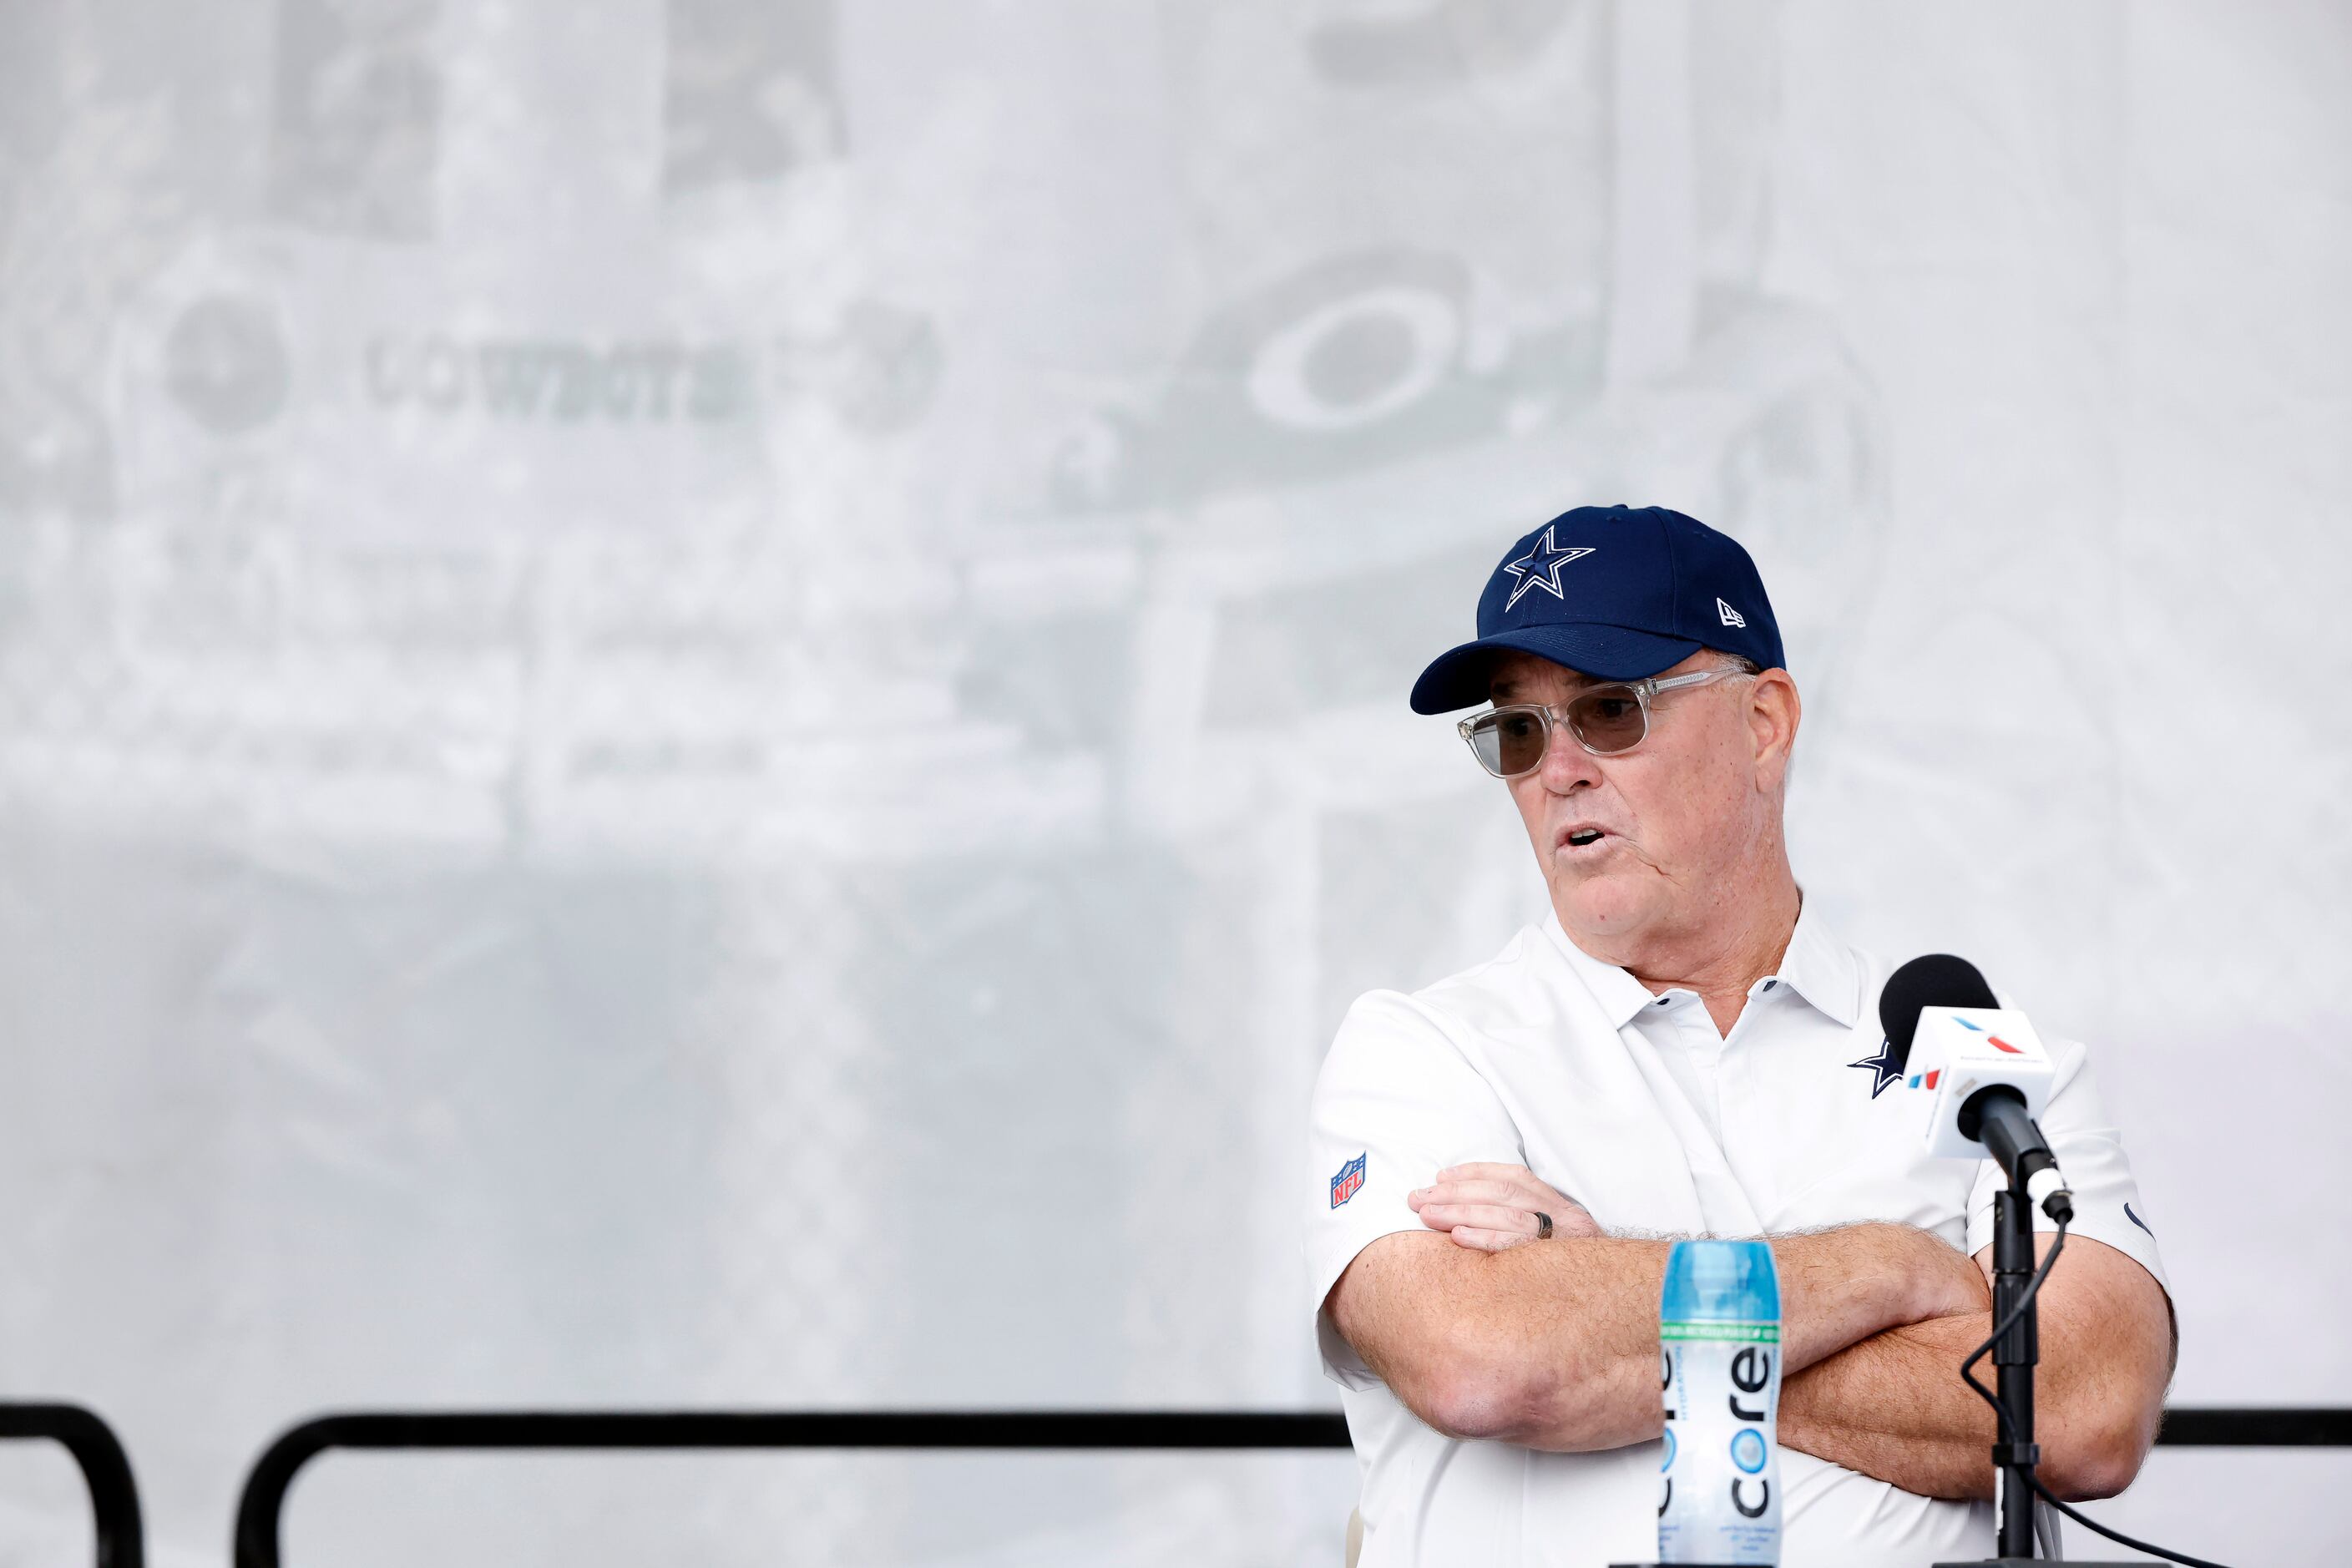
1720,1282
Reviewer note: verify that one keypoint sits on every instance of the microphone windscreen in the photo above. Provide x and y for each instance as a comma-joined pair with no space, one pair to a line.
1935,980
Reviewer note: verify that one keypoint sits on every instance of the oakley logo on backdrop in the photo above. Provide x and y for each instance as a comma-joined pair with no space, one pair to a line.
1353,361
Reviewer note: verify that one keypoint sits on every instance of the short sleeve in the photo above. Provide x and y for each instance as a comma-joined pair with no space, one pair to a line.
2090,1150
1396,1102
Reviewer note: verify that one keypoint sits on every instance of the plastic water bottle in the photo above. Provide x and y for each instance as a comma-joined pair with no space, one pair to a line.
1720,1344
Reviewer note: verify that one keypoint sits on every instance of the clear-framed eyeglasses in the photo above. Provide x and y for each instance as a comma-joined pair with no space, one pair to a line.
1606,721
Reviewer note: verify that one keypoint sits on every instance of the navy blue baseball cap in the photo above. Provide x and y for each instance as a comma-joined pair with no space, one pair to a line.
1614,592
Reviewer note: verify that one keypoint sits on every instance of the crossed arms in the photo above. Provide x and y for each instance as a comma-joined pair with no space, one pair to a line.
1554,1344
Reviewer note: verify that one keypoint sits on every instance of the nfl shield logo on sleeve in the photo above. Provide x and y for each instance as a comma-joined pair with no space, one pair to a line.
1350,1177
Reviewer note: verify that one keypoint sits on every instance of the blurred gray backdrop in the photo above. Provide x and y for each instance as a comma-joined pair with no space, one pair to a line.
701,701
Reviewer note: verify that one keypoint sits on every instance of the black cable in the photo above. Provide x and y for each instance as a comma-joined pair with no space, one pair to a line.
1968,1376
2008,1432
2087,1522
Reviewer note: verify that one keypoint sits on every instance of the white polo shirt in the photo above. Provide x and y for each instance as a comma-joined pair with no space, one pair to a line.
1634,1106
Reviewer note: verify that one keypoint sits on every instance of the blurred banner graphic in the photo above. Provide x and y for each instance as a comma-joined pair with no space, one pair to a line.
703,701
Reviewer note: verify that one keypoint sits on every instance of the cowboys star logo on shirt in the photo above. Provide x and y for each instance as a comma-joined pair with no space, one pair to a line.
1885,1067
1539,568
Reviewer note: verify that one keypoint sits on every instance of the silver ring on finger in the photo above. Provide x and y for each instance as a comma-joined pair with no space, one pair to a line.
1543,1225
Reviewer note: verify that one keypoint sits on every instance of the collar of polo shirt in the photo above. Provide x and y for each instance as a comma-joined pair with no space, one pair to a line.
1817,967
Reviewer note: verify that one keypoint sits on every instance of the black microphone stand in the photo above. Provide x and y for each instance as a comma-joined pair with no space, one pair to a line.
2014,1354
2013,1358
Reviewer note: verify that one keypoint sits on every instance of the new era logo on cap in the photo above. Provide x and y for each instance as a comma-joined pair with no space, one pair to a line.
1732,617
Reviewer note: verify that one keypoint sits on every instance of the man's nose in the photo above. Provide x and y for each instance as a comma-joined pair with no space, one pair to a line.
1566,762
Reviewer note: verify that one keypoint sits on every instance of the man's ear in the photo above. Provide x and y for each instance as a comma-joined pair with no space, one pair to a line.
1774,712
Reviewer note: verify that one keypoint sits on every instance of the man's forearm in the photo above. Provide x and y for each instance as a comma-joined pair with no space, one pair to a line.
1893,1406
1555,1345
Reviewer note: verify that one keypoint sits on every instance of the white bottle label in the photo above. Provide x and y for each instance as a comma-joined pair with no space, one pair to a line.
1719,1486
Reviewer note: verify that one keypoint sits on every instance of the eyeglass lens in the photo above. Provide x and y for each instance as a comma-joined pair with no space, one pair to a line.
1510,741
1608,718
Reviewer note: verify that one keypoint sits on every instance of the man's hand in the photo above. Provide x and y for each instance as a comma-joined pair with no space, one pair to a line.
1496,1207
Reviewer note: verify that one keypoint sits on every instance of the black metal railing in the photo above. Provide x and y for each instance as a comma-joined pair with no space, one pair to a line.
105,1470
263,1501
262,1504
2255,1426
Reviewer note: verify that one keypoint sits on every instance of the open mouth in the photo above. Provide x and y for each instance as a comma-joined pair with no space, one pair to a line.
1584,836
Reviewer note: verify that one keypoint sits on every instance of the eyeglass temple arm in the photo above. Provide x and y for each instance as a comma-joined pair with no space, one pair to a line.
1652,685
1695,677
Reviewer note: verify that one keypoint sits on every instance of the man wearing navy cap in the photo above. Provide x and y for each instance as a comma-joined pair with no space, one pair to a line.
1673,1053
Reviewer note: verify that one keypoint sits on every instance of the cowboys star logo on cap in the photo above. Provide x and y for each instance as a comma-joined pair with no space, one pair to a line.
1539,568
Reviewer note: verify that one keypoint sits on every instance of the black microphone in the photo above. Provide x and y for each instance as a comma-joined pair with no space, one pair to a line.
1996,1114
1935,980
